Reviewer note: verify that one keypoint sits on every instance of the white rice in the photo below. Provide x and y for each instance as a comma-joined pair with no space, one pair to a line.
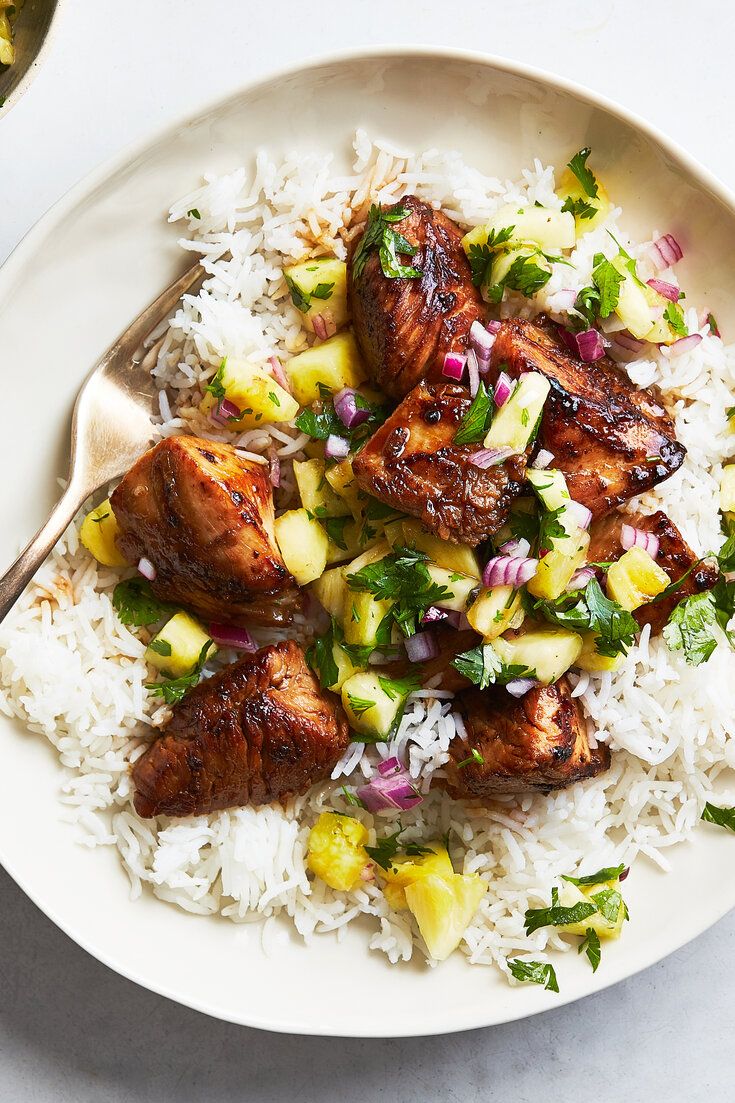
71,672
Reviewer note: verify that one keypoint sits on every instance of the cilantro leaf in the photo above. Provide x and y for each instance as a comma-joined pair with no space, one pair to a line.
381,238
323,291
723,817
483,666
590,944
173,689
481,255
335,529
592,611
578,165
215,387
160,647
400,687
579,208
525,276
300,298
610,873
359,705
403,578
476,421
385,849
608,902
193,213
320,657
690,628
534,972
674,316
599,300
135,604
320,420
556,915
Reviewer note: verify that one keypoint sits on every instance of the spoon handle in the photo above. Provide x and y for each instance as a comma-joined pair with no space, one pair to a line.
17,577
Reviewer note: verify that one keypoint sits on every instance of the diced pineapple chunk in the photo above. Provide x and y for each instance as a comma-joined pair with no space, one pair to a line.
551,487
459,586
371,711
330,589
605,925
727,488
337,850
320,287
443,908
99,533
493,611
364,619
515,422
590,659
179,646
457,558
570,187
635,579
345,667
406,870
341,478
547,228
548,652
256,394
633,307
556,568
344,541
334,363
316,494
303,544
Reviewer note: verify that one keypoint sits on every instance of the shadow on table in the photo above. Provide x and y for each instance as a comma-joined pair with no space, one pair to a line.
71,1029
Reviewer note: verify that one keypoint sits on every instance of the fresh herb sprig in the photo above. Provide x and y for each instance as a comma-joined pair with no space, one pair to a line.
135,603
483,667
403,578
534,972
173,689
381,237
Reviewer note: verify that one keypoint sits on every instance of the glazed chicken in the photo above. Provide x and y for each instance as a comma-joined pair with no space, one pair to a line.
412,464
674,555
405,326
204,517
538,742
258,731
611,440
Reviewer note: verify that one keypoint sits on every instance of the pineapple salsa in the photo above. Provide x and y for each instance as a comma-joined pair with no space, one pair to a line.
533,600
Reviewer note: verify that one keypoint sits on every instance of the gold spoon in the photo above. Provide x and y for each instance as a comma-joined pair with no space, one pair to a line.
111,426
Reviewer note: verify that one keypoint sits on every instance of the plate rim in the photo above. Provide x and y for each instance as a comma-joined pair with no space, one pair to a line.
85,186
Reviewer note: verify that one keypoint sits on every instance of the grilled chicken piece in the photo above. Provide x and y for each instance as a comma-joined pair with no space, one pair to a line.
611,440
204,518
258,731
412,464
674,555
405,326
536,743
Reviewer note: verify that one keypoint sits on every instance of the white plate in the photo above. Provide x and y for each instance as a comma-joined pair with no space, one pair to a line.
78,278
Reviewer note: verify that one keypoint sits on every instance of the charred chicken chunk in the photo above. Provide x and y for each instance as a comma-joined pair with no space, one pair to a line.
204,516
405,326
536,743
674,555
610,439
412,464
258,731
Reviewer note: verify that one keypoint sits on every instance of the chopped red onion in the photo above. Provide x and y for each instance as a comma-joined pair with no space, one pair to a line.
395,791
631,537
230,635
481,340
225,411
274,468
664,252
421,646
454,364
503,389
347,410
493,327
624,874
473,372
390,766
336,447
685,344
146,568
588,345
580,578
580,513
324,325
669,290
456,619
515,547
508,570
434,614
628,342
279,374
519,687
490,457
543,459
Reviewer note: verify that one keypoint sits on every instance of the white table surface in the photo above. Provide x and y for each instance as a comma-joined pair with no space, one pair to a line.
70,1029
